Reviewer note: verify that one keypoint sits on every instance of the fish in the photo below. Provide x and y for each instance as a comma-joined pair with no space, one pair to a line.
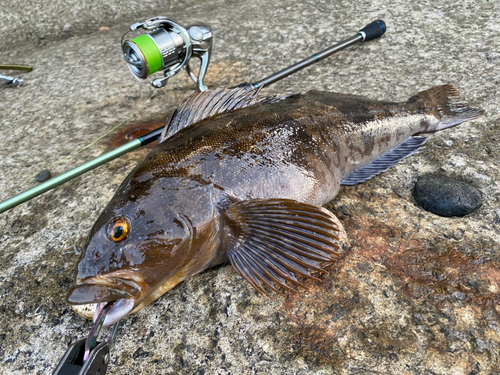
239,178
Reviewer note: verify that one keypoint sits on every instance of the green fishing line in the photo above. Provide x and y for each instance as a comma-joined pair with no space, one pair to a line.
150,51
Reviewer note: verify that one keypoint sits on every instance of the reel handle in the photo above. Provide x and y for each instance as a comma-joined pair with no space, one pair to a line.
373,30
201,38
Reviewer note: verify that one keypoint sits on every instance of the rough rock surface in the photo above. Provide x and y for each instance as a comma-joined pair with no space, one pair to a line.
414,294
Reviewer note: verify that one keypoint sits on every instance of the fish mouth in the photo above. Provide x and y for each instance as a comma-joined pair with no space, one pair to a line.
122,292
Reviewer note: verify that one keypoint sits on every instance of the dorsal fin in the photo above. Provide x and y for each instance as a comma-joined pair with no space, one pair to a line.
385,161
202,105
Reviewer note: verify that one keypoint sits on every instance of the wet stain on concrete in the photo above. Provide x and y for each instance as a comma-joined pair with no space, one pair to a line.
135,130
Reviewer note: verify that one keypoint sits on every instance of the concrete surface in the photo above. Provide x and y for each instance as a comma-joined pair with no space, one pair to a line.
414,294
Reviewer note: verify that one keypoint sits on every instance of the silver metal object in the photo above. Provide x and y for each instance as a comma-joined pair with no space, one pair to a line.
176,45
11,80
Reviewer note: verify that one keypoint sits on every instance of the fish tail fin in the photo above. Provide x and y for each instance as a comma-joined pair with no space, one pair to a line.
445,102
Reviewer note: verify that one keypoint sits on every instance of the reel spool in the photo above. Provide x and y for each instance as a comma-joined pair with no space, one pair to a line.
167,48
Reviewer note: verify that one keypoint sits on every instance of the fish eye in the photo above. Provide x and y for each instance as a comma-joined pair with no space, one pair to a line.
118,230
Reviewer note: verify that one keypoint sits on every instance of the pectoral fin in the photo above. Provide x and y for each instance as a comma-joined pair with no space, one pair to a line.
273,241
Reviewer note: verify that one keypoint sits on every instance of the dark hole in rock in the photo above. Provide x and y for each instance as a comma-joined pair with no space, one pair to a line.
446,196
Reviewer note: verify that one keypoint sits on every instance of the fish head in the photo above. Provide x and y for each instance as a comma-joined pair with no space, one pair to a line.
148,239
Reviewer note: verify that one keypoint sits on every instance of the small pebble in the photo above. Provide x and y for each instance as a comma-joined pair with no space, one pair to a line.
480,345
459,296
458,235
43,175
446,196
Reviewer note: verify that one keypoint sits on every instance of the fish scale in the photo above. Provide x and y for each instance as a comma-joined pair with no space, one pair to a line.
243,179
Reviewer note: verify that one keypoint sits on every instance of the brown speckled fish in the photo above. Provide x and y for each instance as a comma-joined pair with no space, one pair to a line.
243,179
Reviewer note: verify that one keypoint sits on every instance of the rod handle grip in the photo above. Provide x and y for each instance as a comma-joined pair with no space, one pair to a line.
373,30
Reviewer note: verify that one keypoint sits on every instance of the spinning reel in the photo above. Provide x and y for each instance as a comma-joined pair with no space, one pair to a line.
167,47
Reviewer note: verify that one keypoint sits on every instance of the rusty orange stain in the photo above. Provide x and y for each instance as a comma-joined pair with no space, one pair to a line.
135,130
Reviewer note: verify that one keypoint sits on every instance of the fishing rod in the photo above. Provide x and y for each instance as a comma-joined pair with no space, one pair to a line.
167,49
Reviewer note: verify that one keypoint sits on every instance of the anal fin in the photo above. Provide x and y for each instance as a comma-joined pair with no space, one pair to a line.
384,162
272,241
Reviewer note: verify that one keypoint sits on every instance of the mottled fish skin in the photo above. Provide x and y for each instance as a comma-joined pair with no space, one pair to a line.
299,148
191,203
